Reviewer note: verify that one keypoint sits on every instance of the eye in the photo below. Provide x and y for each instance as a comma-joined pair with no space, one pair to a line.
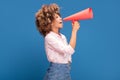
56,17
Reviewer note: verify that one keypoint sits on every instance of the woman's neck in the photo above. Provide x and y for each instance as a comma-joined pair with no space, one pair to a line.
56,31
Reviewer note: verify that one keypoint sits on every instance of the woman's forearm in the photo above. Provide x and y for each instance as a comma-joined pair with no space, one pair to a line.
75,28
73,38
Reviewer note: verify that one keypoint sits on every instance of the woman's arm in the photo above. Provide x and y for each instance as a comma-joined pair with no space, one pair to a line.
75,28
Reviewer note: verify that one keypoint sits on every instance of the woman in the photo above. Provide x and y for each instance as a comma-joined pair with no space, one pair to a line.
58,51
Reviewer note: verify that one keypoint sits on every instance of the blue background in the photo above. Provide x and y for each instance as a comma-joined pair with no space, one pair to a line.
22,53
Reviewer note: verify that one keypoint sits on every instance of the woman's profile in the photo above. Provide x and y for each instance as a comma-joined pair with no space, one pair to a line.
58,51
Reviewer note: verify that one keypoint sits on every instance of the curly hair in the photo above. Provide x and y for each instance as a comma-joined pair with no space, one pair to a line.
45,16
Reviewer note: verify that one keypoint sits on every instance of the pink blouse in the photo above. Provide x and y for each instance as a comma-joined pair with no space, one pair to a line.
57,48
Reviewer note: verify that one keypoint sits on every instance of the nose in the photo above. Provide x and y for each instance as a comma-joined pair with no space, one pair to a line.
60,18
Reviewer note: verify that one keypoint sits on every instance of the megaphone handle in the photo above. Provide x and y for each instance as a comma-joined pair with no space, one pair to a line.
73,21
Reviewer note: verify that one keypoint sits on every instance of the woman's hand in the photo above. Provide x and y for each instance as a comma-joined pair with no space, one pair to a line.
75,26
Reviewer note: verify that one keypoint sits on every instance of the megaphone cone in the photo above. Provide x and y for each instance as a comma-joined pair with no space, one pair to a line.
82,15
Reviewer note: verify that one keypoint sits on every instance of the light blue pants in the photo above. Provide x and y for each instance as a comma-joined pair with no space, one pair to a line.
58,71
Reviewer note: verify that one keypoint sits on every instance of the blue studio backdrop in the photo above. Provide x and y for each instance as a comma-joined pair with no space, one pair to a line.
22,53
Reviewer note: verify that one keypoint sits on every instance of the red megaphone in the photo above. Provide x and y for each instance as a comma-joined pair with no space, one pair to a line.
82,15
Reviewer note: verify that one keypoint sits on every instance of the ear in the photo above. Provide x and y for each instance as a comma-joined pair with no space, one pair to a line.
52,23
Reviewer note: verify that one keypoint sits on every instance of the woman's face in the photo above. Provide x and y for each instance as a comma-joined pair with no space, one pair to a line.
57,23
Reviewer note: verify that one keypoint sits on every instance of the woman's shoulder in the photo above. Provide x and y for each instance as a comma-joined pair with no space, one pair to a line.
50,35
54,35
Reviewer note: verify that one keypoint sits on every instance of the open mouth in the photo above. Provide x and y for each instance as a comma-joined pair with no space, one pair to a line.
60,22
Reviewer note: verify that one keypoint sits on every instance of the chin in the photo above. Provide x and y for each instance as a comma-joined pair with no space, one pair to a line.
61,27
